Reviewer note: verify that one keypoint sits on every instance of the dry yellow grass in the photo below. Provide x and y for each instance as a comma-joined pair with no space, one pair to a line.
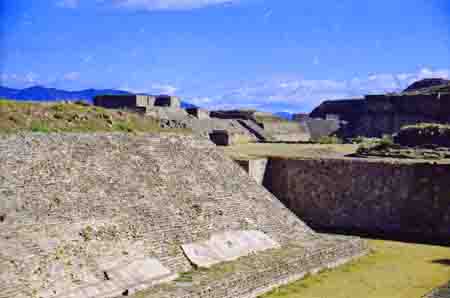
18,116
254,150
393,270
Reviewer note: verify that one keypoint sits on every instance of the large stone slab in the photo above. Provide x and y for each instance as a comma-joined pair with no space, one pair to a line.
121,276
227,246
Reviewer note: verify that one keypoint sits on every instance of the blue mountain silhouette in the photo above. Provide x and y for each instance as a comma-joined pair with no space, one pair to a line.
41,93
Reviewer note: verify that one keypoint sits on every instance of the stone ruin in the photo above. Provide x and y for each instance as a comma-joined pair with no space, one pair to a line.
376,115
228,127
139,102
109,215
198,113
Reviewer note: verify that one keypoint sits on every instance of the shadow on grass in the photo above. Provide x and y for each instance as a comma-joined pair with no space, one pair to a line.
405,237
445,262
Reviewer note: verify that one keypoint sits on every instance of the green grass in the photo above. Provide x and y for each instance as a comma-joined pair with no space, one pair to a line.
329,140
18,116
392,270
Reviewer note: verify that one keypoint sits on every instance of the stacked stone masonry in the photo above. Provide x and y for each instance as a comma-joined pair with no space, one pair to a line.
376,115
382,197
71,203
442,292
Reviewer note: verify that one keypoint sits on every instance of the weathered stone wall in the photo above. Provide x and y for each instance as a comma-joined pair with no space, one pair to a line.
285,131
167,101
198,113
322,127
132,101
118,101
256,168
74,204
386,114
382,197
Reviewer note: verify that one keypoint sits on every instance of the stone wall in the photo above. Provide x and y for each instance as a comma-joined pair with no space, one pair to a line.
124,101
379,197
319,128
198,113
79,210
284,131
376,115
140,101
441,292
256,168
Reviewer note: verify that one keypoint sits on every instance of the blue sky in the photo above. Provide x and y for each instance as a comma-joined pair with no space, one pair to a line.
266,54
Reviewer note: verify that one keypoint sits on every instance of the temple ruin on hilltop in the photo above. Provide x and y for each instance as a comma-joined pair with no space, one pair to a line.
375,115
222,127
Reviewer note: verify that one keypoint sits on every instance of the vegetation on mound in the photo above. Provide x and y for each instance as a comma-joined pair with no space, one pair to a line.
367,145
394,269
424,134
71,117
421,141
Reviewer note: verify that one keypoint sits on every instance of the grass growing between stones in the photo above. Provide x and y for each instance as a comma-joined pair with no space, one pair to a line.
18,116
394,269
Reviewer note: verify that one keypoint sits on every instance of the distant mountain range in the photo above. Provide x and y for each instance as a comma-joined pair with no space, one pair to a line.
40,93
284,115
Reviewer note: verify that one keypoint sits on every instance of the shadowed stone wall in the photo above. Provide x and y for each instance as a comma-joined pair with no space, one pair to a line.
376,115
381,197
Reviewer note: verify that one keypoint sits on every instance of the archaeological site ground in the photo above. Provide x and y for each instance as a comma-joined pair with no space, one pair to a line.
134,195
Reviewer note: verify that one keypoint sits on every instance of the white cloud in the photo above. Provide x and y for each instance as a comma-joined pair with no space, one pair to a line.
202,101
299,94
71,76
19,80
167,4
68,3
164,89
155,88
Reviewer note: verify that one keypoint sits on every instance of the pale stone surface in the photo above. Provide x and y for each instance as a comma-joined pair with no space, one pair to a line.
256,168
71,203
227,246
120,275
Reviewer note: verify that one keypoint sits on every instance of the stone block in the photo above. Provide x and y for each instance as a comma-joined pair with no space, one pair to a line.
227,246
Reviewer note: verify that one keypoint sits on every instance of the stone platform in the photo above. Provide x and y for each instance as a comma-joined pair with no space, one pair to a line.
105,215
442,292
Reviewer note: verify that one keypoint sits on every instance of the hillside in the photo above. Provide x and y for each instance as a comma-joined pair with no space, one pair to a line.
71,117
427,85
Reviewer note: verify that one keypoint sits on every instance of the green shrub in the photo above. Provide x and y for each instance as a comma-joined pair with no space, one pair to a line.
329,140
374,144
123,126
424,134
37,126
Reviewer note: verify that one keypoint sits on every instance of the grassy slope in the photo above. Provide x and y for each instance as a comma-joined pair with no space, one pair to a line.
68,117
393,270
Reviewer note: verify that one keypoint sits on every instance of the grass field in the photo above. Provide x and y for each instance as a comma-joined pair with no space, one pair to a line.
254,150
70,117
392,270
